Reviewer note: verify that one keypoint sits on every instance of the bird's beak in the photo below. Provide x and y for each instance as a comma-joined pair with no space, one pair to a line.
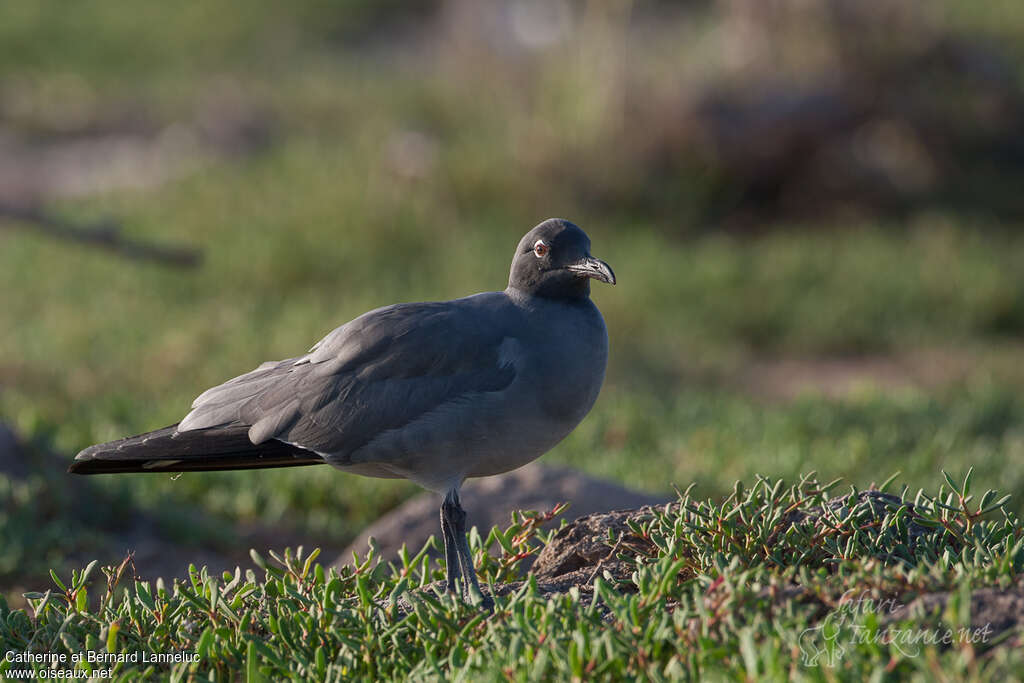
594,268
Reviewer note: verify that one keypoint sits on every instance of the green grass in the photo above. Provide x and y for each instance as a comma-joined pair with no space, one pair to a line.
699,603
326,223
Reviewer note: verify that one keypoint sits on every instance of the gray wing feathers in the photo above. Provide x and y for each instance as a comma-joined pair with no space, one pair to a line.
274,422
375,373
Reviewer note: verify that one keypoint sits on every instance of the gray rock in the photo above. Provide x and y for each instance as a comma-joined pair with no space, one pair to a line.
490,501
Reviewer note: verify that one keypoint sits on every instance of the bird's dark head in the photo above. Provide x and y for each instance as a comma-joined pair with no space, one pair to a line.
553,261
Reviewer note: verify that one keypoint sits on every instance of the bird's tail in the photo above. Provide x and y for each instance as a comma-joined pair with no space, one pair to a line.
168,450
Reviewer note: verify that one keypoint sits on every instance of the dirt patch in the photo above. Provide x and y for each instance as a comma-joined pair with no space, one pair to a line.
119,145
788,378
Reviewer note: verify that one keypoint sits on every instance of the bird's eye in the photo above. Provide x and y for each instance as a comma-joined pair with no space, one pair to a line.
540,249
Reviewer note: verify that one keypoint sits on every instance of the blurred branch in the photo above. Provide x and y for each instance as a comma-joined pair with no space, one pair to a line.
105,234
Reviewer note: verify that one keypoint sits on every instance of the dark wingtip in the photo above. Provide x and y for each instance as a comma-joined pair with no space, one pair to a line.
101,467
82,465
85,457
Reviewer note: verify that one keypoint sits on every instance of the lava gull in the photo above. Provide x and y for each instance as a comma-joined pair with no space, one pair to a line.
433,392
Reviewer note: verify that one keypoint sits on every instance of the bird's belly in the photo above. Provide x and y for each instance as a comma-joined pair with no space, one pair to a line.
487,434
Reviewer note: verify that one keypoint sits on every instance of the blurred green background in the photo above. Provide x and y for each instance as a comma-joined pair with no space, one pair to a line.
814,210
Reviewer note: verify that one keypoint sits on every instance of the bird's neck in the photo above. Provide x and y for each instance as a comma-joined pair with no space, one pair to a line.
574,296
559,285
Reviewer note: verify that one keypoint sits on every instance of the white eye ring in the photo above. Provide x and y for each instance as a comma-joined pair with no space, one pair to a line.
540,249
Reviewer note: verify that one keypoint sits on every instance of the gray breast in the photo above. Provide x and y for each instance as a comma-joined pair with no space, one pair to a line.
559,356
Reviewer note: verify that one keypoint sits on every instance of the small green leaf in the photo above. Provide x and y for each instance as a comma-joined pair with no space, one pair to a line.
56,580
112,631
252,674
204,644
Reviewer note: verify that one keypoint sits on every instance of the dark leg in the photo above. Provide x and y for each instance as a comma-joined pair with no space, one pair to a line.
452,561
457,519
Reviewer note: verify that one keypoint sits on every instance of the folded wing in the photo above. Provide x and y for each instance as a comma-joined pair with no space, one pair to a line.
376,373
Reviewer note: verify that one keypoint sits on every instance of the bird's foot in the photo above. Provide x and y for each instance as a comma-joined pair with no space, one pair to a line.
478,599
471,597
